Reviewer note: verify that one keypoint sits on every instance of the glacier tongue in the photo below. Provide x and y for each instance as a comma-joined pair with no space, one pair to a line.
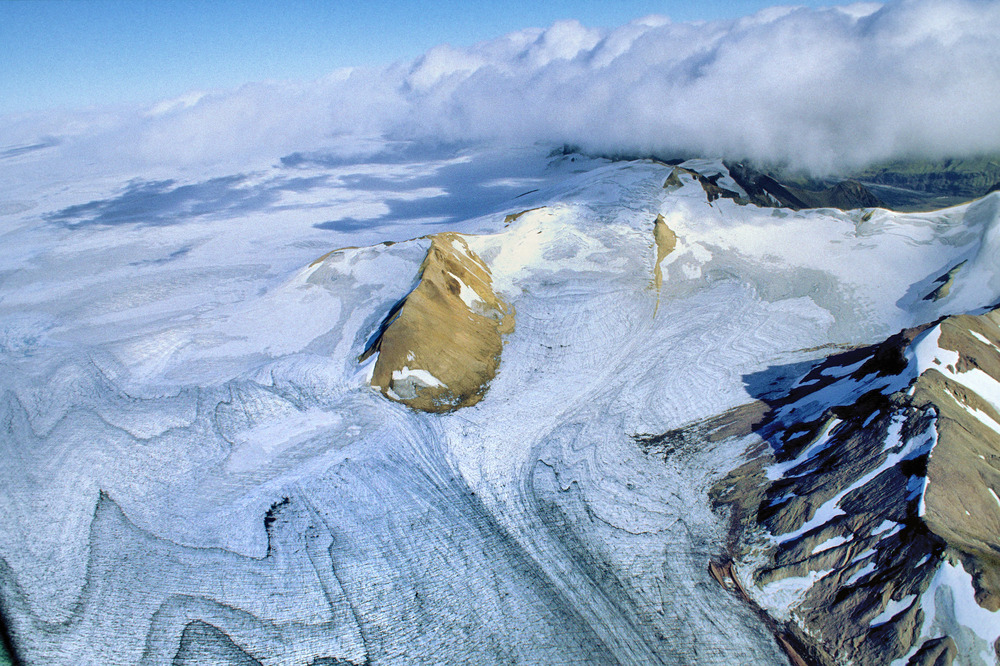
196,464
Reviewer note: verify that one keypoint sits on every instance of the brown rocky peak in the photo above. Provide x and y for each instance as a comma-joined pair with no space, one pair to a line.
440,347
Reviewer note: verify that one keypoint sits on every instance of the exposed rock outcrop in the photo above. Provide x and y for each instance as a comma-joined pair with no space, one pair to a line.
935,652
944,283
439,347
510,218
762,190
665,240
709,182
845,195
882,489
960,499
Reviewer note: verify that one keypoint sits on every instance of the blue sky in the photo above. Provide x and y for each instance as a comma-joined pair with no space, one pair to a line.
77,53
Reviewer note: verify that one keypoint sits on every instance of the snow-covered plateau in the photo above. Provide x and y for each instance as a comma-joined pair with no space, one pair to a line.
213,449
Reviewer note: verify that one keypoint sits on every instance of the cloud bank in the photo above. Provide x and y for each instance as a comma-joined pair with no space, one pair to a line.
818,89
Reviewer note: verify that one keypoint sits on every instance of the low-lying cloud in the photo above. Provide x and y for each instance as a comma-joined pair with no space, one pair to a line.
820,89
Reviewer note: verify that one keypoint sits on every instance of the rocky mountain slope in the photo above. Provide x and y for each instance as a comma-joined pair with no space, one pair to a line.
872,525
543,431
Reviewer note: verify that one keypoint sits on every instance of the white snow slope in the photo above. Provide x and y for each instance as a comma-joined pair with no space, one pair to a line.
195,469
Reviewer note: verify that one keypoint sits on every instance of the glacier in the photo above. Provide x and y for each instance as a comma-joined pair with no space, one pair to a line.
198,469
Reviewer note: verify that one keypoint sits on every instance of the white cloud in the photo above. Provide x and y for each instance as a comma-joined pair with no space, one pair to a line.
817,88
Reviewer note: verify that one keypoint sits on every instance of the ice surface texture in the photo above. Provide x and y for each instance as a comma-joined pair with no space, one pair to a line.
196,468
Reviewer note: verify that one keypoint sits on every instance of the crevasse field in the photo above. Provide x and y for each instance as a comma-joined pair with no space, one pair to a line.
196,469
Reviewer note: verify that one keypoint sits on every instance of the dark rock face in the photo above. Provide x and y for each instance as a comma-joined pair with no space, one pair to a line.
935,652
765,191
944,283
845,195
709,182
883,473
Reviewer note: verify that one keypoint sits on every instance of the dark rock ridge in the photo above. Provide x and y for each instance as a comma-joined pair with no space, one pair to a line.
845,195
765,191
944,283
879,480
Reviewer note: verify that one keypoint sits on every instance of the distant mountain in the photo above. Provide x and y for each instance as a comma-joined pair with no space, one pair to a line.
960,177
922,184
909,185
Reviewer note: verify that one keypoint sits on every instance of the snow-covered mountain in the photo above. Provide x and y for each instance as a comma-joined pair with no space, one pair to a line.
257,418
